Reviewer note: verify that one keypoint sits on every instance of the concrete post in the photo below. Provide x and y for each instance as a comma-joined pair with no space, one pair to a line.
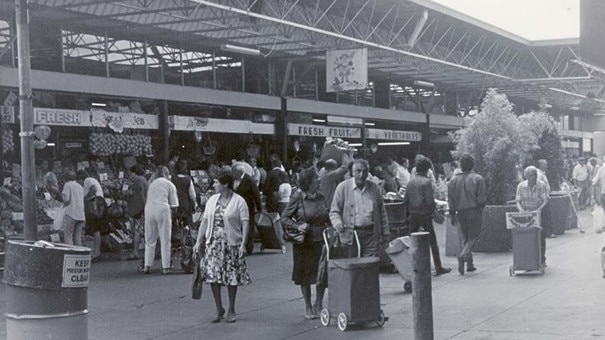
27,122
422,290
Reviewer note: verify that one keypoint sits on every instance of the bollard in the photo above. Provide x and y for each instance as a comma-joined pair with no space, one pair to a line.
422,292
46,288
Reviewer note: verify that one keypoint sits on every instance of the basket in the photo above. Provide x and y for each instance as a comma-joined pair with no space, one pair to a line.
209,149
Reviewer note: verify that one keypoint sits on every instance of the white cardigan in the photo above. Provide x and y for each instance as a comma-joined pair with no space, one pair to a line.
235,213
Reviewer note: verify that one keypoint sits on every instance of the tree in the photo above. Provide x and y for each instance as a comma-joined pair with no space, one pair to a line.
496,139
548,145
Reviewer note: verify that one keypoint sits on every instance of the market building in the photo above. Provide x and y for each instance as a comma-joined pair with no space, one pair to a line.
214,81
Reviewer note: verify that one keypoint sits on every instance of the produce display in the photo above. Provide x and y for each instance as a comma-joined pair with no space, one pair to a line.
105,144
8,141
9,205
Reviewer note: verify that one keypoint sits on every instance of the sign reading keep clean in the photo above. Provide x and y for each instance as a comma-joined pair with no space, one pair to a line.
76,271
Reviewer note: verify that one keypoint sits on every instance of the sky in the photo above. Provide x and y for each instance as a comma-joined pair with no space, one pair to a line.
530,19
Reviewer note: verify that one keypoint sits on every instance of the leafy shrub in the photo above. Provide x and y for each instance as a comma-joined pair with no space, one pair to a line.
497,141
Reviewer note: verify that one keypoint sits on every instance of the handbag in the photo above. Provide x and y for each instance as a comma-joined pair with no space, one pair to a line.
197,284
293,235
439,217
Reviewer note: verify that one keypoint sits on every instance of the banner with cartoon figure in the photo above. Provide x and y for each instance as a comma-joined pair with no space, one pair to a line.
346,70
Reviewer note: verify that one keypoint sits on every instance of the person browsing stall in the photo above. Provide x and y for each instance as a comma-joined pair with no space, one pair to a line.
161,199
358,205
244,186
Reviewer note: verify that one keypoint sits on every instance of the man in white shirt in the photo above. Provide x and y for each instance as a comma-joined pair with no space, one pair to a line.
580,175
403,175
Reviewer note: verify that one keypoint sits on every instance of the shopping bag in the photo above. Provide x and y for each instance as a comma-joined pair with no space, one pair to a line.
598,219
197,284
58,221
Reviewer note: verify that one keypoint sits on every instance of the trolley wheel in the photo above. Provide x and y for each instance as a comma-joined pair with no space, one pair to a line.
324,317
283,249
407,287
511,271
262,248
343,321
542,270
381,319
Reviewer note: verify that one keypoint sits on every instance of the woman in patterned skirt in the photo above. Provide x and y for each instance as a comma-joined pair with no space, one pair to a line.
224,227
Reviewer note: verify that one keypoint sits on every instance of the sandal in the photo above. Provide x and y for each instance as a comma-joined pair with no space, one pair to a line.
231,317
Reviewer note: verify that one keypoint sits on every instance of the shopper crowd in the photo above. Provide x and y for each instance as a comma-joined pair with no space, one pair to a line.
346,194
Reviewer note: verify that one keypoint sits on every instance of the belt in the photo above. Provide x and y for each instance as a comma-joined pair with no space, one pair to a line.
364,227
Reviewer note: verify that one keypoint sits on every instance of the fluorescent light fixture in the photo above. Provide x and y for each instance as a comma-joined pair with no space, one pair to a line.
317,120
50,144
240,49
419,26
424,83
575,108
355,144
370,124
99,104
393,143
349,121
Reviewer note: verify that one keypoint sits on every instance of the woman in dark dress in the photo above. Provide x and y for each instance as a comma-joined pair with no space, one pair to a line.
307,210
185,192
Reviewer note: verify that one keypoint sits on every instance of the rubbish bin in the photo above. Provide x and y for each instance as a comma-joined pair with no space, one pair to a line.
46,290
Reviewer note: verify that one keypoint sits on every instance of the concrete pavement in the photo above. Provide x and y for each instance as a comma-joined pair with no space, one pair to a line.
567,302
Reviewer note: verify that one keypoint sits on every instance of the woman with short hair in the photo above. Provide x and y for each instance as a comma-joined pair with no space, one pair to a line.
223,231
308,211
73,201
161,199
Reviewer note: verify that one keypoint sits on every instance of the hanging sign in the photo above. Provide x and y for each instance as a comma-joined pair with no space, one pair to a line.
346,70
129,120
7,114
394,135
186,123
44,116
323,131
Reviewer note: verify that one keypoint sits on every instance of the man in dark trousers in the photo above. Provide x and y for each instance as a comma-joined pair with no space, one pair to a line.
466,199
244,186
358,205
420,201
272,183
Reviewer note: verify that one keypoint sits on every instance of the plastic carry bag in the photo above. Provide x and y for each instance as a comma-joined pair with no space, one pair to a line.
598,219
58,220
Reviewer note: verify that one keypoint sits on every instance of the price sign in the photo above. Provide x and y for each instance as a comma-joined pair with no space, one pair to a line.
85,164
7,181
80,166
121,174
195,180
17,216
125,187
100,165
47,196
103,176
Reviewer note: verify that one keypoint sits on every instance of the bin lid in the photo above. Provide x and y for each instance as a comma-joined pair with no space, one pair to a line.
354,263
